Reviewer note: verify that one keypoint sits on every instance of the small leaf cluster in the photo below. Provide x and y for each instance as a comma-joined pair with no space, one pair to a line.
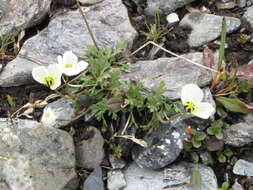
224,186
113,95
216,129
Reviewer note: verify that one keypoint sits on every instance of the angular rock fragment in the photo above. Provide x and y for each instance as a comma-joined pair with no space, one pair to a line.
175,72
176,177
206,27
90,152
36,157
16,16
68,32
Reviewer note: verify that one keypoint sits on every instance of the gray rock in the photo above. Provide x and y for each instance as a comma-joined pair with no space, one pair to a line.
166,143
206,27
243,167
176,177
116,180
237,186
164,6
248,16
16,16
164,146
242,3
90,153
67,32
63,110
36,157
66,2
90,2
94,180
174,72
238,134
116,163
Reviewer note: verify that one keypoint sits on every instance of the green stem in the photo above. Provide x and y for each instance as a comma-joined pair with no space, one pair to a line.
87,24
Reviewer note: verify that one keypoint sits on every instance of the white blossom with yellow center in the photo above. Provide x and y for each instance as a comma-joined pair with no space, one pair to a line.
191,97
49,76
48,118
70,65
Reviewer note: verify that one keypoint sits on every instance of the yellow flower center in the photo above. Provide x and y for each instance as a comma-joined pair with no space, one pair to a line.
47,114
190,107
68,65
49,81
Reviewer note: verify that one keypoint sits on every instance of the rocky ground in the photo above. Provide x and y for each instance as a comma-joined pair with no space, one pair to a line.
76,155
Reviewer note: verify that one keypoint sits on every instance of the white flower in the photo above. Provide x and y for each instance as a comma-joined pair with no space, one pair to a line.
172,18
191,97
70,65
48,118
49,76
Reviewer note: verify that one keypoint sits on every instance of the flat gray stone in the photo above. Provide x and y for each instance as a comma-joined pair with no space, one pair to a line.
116,180
165,6
95,180
176,177
248,16
16,16
35,157
64,111
174,72
67,32
243,167
90,2
90,152
237,186
206,27
239,134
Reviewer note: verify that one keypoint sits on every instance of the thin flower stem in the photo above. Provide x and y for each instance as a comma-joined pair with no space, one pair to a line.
174,54
87,24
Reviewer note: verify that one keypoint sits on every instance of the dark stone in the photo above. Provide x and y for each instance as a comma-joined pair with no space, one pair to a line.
66,2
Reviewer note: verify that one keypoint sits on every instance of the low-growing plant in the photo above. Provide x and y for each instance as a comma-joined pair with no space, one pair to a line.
216,129
225,155
154,31
224,186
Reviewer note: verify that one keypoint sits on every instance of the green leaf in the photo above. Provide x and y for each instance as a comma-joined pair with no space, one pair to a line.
234,105
222,43
11,101
196,144
187,146
225,185
195,157
199,136
196,178
219,135
211,131
228,152
222,158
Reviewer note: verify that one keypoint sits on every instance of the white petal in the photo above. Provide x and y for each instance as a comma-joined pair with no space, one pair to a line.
172,18
78,68
60,60
48,118
39,73
204,110
70,71
56,72
191,93
69,58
